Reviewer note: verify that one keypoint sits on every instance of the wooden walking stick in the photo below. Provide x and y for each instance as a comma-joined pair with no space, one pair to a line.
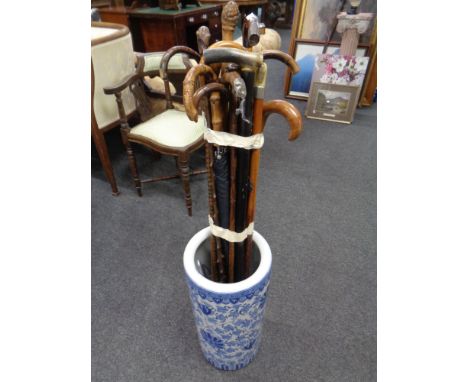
248,62
230,17
237,93
294,118
220,167
217,197
295,122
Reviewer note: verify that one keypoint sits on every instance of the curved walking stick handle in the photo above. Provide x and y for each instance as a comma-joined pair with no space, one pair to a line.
189,88
227,44
171,52
288,111
206,90
283,57
165,62
237,56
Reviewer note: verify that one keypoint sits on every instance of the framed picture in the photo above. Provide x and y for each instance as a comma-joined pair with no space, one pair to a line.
316,19
340,70
366,6
332,102
305,53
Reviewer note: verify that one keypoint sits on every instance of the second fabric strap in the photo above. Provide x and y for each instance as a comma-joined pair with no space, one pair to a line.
226,234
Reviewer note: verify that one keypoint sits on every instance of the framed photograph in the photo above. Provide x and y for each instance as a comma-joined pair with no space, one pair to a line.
332,102
305,53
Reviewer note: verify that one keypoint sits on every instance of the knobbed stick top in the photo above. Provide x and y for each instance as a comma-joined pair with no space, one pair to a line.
203,38
229,18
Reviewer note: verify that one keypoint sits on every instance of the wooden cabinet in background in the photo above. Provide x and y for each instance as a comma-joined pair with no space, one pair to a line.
154,29
116,15
158,30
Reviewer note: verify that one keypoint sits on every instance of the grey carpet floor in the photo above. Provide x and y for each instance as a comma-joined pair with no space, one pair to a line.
316,208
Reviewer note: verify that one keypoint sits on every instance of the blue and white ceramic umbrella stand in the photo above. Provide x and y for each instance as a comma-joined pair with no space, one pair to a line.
228,316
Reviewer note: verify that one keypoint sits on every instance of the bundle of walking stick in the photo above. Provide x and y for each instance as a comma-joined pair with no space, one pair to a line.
227,87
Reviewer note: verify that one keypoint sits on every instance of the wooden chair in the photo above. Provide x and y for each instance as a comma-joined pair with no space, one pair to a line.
170,132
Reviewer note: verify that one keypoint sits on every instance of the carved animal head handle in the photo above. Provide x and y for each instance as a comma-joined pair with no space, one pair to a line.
283,57
189,88
235,81
288,111
165,62
203,38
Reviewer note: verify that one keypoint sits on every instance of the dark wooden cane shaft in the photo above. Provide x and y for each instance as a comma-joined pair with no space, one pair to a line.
232,191
211,206
243,167
217,124
214,214
230,79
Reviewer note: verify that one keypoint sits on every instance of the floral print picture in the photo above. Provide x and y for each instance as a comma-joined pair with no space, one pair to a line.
306,55
340,70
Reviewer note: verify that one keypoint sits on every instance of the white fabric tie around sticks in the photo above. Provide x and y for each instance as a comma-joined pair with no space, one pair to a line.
222,138
232,237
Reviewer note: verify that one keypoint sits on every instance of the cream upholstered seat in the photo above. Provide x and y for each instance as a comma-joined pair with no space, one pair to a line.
170,128
178,62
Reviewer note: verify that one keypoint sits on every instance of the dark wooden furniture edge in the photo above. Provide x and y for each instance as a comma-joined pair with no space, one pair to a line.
100,143
121,30
136,14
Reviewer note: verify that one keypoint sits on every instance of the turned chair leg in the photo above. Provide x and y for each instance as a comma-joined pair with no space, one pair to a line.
182,164
131,161
134,169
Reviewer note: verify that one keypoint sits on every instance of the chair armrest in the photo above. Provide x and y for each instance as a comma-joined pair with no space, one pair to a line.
117,88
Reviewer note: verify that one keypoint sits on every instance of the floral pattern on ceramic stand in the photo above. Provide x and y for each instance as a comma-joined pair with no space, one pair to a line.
228,317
